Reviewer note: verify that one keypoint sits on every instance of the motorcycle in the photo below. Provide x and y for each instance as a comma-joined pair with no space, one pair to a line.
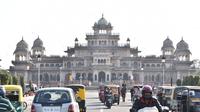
165,108
151,109
148,109
134,98
109,100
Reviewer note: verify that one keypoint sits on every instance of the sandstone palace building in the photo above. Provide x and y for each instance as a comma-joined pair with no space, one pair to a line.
102,60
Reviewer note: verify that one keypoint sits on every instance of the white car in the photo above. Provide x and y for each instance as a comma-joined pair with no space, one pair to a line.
55,99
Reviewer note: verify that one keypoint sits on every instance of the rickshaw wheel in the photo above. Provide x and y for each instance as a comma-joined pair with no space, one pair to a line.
25,105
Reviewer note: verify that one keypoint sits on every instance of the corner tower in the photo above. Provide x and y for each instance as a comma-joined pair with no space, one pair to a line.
21,52
38,48
167,48
182,52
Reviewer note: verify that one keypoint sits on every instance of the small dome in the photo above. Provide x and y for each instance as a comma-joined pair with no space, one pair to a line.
167,44
128,40
37,43
182,45
22,46
76,39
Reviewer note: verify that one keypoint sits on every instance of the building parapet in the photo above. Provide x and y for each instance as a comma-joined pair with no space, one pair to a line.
103,34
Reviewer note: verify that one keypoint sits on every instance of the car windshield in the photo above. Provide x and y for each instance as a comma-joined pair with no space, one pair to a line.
195,93
168,91
52,96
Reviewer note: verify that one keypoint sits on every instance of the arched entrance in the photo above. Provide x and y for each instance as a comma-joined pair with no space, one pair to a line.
125,76
90,77
102,76
77,76
113,77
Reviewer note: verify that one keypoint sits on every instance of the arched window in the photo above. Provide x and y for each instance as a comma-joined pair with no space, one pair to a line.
68,64
47,65
58,77
52,65
108,78
95,77
153,65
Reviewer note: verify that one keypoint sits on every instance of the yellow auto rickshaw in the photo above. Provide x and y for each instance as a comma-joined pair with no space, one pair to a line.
79,91
15,95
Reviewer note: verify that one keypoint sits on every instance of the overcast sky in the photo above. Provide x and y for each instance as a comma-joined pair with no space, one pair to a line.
58,22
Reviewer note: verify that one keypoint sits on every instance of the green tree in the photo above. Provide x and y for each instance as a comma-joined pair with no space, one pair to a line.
4,77
14,80
190,81
196,80
178,82
22,83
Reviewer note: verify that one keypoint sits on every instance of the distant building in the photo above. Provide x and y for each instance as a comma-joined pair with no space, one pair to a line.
102,60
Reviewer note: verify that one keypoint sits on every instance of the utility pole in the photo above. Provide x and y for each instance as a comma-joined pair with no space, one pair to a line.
163,73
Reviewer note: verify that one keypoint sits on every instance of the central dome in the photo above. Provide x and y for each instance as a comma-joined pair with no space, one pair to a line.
102,24
102,21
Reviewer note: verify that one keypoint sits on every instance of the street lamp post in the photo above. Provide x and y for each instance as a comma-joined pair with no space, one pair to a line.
163,71
81,79
60,75
120,80
39,59
142,69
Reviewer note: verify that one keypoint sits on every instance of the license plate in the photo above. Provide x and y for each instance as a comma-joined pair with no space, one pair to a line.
51,109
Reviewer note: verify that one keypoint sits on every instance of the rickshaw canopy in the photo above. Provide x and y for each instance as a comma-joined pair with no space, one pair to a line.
16,88
79,89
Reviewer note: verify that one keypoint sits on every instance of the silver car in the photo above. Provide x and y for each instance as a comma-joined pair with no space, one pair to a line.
56,99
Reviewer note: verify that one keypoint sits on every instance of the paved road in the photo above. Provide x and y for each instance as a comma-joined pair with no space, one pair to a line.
94,105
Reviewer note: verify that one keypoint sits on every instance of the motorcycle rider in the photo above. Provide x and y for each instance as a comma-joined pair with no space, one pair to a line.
5,104
135,92
108,92
147,100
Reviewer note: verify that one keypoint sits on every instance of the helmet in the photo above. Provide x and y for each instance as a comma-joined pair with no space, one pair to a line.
147,91
2,91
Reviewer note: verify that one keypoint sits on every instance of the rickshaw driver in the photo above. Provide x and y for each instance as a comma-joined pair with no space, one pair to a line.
5,104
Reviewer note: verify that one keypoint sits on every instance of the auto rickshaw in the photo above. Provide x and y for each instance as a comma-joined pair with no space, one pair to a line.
79,91
15,95
165,95
101,93
115,92
187,97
